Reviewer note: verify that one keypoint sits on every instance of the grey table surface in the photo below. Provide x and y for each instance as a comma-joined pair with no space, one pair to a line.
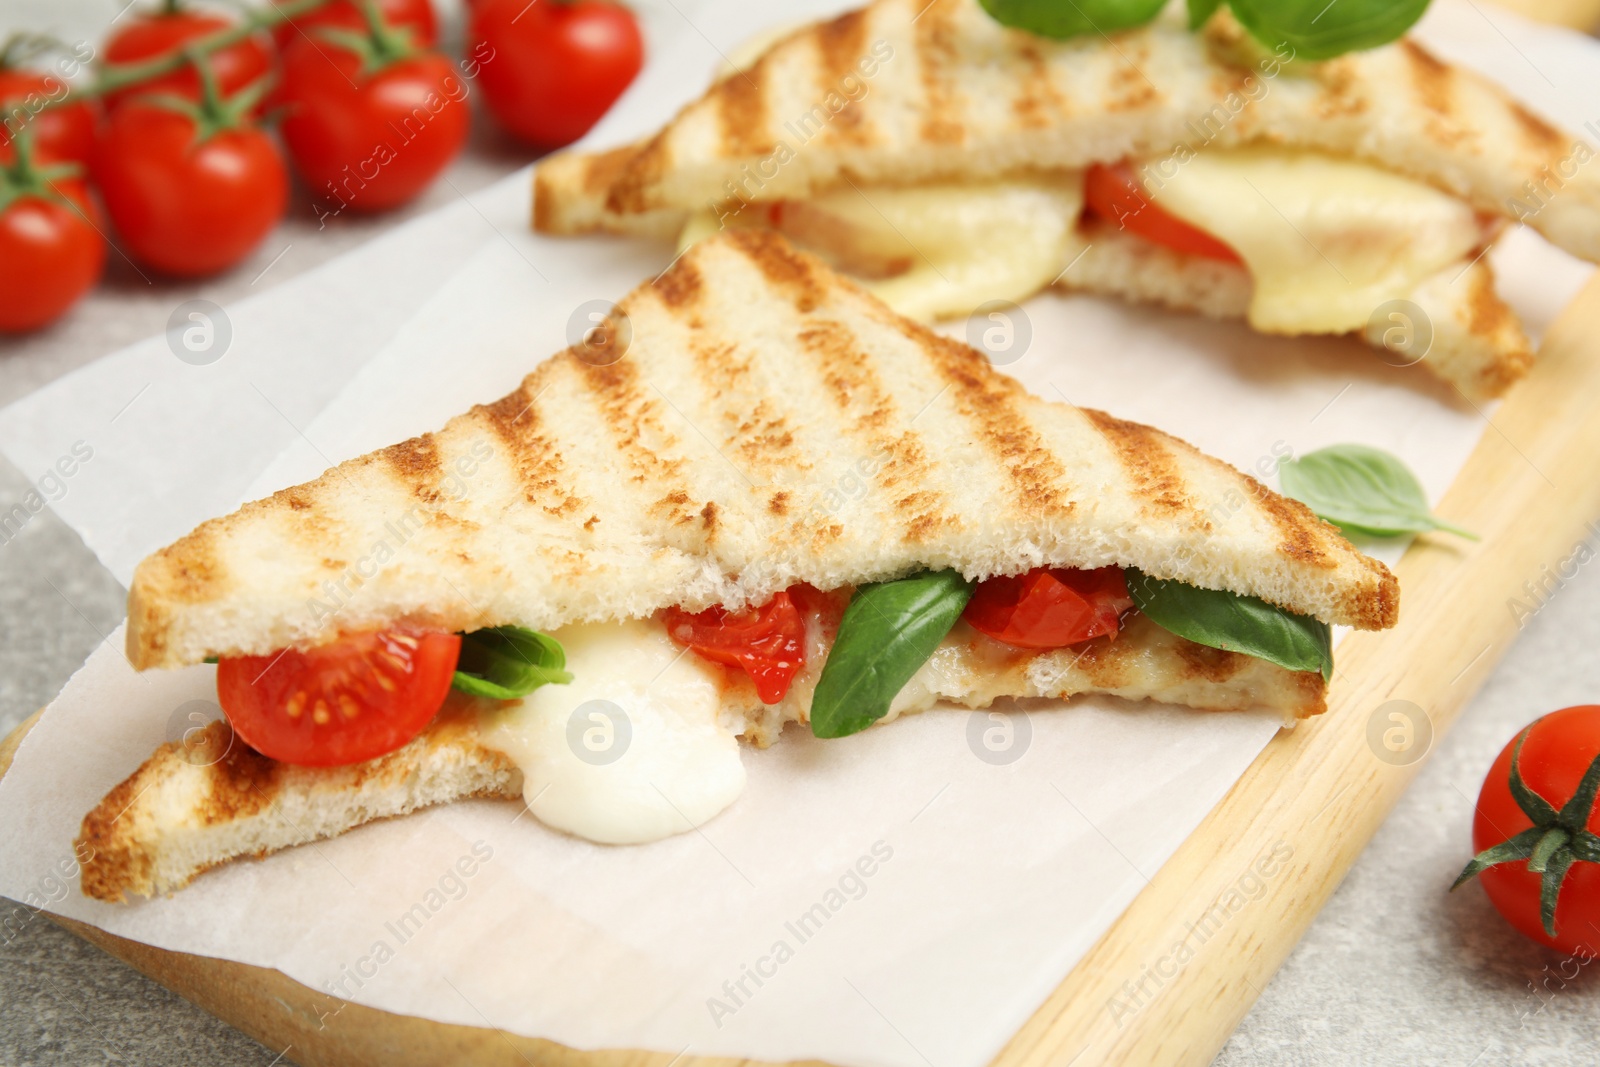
1393,972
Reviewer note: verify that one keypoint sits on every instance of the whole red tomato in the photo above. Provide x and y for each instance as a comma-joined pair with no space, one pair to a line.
50,251
150,35
370,141
184,203
60,134
1536,832
551,69
414,15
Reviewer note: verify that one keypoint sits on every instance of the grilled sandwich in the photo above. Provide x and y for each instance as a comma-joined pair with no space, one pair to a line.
678,526
948,161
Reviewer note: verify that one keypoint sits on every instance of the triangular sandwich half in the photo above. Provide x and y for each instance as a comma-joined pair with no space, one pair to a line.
949,161
751,442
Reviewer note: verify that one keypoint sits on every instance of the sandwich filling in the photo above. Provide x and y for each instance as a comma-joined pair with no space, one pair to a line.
1325,240
627,732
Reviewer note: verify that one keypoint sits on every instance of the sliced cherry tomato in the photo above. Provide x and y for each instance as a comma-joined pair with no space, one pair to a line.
1556,752
356,699
50,253
60,134
1050,607
370,142
1115,193
150,35
186,206
414,15
768,644
550,70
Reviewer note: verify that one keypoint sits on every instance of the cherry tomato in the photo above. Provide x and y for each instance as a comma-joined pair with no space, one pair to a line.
1556,752
1114,193
370,142
414,15
159,33
552,69
1050,607
356,699
50,254
60,134
768,644
186,206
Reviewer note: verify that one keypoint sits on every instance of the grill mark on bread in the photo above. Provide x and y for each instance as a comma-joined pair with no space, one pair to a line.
535,460
679,286
1539,134
1304,536
604,168
841,44
1435,85
1037,103
781,265
1490,317
629,412
1339,97
865,405
415,462
742,112
935,45
1144,456
1131,89
991,403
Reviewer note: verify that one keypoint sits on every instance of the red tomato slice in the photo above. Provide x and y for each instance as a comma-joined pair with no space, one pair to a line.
360,697
768,644
1114,193
1050,607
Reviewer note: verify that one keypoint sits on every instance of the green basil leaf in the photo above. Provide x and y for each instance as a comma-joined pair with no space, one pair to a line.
509,662
887,633
1318,29
1072,18
1362,490
1200,12
1234,623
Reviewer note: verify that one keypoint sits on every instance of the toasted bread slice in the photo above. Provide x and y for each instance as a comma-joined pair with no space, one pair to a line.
1474,340
911,91
209,799
696,458
200,803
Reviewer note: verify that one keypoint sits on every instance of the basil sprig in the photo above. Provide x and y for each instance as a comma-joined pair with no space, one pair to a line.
509,662
1234,623
1362,490
1314,29
887,633
1072,18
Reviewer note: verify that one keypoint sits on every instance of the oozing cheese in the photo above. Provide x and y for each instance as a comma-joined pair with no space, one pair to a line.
635,749
936,251
1326,240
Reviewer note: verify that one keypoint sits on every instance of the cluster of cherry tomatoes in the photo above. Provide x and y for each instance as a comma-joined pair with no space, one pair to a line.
195,118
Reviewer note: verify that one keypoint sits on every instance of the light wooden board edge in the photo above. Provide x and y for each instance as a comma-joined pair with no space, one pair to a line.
1318,792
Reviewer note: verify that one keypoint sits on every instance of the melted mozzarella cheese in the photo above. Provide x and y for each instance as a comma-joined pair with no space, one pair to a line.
1326,240
636,748
937,251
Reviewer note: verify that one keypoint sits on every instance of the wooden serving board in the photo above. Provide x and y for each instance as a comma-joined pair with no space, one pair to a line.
1152,991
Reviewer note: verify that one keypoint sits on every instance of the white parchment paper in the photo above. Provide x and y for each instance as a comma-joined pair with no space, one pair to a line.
906,897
